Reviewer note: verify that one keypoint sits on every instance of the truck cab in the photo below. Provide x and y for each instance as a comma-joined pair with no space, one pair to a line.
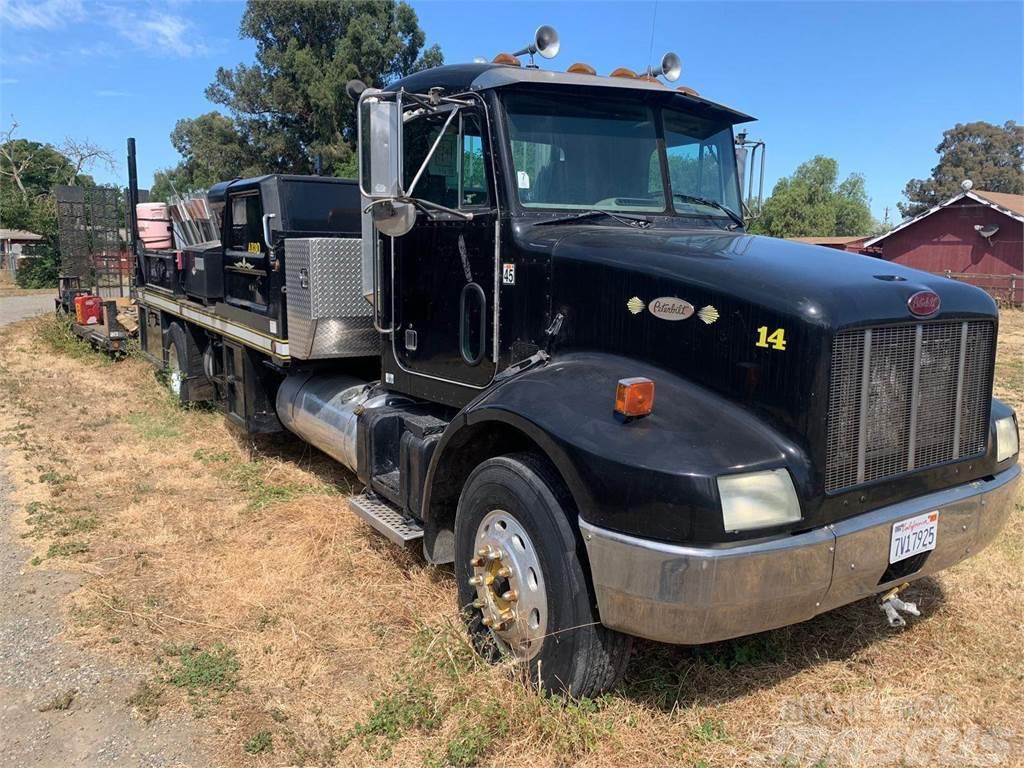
616,412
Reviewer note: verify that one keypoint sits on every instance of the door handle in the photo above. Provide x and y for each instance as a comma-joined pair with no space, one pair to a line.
266,229
470,292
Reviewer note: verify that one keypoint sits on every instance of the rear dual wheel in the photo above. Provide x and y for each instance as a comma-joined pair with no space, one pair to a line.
522,579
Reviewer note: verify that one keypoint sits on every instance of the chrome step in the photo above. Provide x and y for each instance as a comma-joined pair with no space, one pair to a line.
386,519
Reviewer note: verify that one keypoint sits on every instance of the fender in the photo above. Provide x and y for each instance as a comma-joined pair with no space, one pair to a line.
653,477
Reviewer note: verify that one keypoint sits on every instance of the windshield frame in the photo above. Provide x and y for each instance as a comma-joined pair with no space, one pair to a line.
659,105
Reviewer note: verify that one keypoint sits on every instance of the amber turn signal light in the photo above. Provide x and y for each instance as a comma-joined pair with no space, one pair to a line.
634,398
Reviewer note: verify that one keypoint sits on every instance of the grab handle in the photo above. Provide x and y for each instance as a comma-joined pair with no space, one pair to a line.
470,356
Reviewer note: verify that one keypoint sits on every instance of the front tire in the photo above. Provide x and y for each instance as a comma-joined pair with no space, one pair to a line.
521,577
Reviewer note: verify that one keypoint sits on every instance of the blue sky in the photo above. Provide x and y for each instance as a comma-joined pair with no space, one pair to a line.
871,84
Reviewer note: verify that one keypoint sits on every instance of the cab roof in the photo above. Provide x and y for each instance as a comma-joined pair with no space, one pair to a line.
218,192
453,78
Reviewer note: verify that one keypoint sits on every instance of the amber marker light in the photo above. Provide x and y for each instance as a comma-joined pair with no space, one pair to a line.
506,58
581,68
623,72
634,398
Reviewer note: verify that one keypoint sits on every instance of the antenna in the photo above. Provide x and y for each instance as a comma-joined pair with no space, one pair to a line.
545,42
671,67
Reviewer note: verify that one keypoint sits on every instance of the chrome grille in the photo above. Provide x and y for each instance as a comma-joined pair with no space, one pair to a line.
905,397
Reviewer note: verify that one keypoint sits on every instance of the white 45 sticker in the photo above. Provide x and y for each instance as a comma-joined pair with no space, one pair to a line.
508,274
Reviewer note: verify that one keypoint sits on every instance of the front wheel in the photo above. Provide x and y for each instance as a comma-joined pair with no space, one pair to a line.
523,582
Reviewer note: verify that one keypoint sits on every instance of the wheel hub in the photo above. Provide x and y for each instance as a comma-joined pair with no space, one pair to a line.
509,585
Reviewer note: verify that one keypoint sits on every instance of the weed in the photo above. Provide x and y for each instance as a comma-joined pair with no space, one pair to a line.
207,456
54,478
413,707
709,731
760,649
259,743
66,549
36,560
153,427
61,702
55,332
215,670
468,747
277,715
146,700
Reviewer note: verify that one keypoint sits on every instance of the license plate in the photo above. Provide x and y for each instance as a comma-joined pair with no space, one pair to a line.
913,536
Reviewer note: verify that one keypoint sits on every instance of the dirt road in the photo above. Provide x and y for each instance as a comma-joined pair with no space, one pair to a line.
60,705
17,307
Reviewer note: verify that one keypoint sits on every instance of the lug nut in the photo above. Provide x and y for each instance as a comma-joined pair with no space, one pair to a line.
476,562
504,572
478,603
487,621
476,581
483,551
494,555
511,596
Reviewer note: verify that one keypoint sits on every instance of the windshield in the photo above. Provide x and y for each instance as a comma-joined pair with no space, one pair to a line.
580,155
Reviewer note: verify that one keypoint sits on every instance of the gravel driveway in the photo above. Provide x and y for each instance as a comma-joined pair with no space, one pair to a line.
38,669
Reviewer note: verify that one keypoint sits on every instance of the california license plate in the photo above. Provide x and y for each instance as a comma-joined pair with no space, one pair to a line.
913,536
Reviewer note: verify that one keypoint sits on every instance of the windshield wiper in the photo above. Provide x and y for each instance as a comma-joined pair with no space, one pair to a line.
629,221
711,204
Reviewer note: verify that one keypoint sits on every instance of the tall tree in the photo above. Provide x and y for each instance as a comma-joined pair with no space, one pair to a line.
991,156
290,106
811,203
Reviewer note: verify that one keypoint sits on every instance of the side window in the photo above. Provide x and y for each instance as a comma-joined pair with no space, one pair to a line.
474,165
246,223
454,176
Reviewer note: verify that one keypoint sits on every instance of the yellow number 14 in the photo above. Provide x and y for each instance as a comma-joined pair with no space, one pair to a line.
775,340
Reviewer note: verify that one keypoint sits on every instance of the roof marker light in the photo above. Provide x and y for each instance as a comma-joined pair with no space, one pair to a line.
687,90
580,68
506,58
623,72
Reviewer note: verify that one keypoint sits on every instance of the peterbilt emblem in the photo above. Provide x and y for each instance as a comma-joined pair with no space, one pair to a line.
924,303
670,308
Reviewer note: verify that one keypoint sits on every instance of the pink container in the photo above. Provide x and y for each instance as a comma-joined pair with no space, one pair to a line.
154,225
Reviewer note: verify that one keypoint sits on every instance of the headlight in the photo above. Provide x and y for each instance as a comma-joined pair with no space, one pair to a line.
1007,441
758,500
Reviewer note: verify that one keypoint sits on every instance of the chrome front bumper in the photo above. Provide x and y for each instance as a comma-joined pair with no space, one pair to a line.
691,595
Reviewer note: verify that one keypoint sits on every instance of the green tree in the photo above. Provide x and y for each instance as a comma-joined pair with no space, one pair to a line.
290,106
991,156
812,203
212,150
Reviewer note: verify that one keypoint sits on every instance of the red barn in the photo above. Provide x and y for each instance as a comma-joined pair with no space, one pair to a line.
976,236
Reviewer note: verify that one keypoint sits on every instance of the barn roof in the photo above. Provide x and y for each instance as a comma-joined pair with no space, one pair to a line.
1004,203
830,239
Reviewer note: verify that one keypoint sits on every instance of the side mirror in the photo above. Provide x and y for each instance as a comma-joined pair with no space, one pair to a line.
750,165
380,145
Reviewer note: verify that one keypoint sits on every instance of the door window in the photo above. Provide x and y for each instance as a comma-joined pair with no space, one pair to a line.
246,224
456,175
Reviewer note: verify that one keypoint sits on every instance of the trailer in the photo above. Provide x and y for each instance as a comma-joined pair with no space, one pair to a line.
536,330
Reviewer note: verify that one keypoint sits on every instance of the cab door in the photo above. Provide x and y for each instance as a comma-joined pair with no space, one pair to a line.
246,266
444,267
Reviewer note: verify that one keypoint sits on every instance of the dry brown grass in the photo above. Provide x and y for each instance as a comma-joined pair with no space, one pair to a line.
348,649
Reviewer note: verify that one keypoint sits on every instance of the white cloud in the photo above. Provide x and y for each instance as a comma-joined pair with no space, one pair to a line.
40,14
157,31
8,80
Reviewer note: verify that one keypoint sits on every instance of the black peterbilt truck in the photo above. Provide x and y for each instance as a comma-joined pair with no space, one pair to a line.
537,331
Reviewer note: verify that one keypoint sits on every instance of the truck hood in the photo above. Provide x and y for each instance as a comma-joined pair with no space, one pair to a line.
750,318
822,286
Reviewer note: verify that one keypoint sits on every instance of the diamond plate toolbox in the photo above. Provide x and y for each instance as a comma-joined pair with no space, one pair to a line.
327,314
